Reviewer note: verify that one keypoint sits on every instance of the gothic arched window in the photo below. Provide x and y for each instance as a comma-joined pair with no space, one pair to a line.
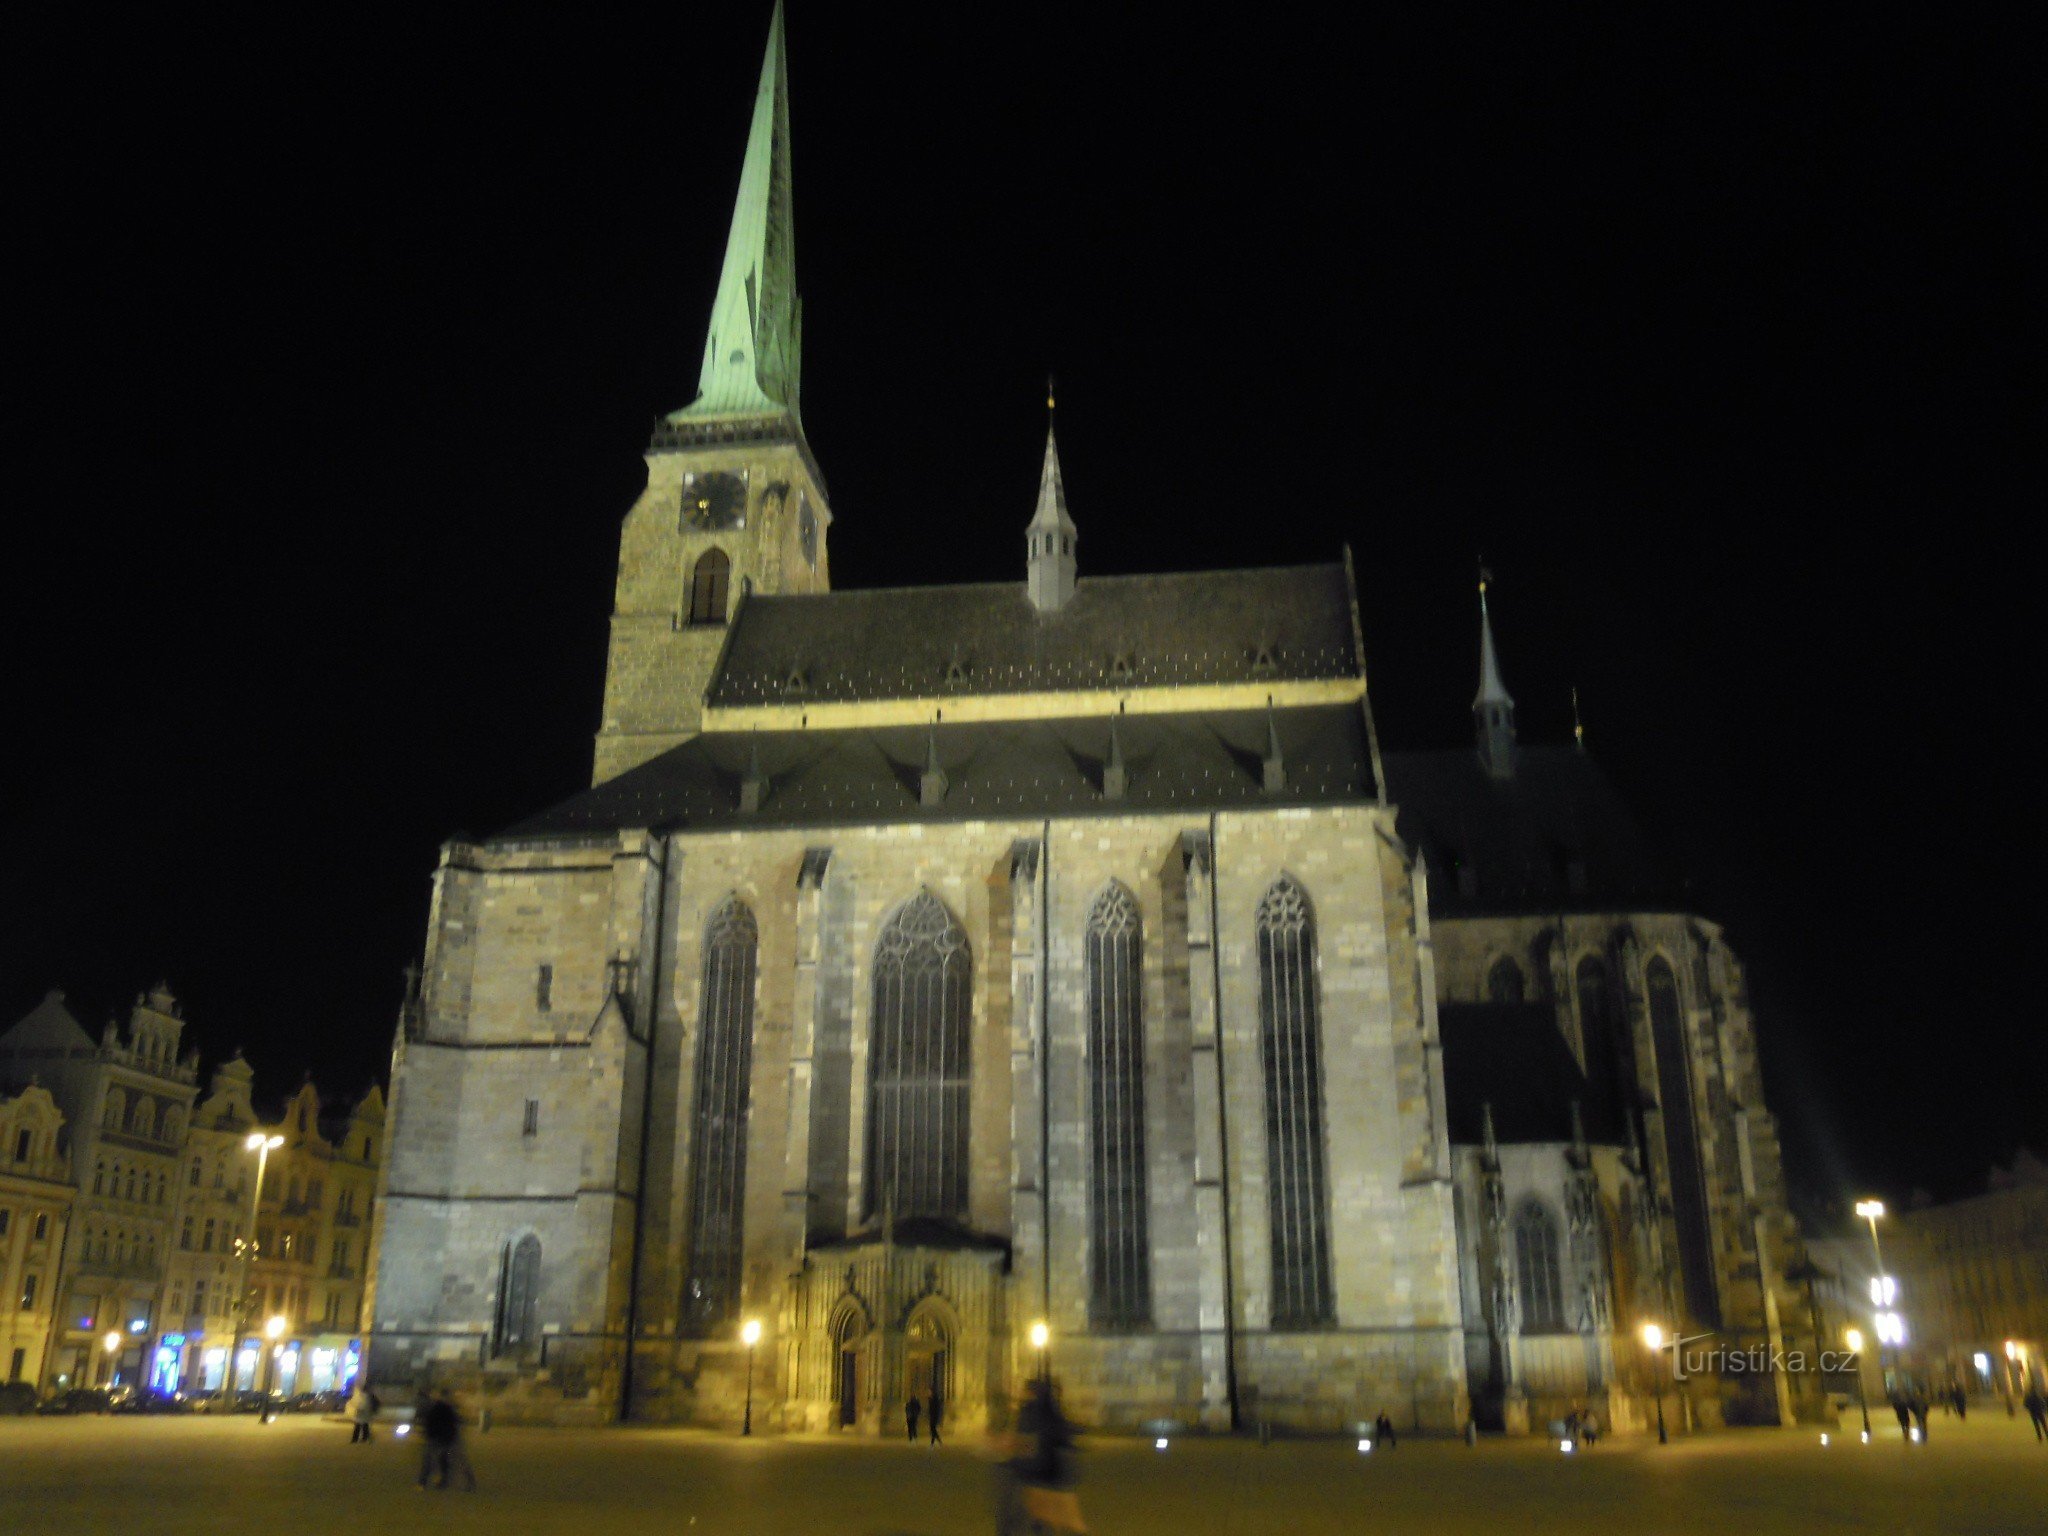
707,587
918,1065
725,1044
1291,1050
1504,982
1681,1141
519,1295
1120,1274
1536,1269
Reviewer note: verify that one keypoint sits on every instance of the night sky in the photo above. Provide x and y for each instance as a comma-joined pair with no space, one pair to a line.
332,355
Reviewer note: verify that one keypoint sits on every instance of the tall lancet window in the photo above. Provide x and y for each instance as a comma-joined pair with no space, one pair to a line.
1120,1270
1681,1142
718,1181
1291,1049
1536,1270
518,1295
918,1065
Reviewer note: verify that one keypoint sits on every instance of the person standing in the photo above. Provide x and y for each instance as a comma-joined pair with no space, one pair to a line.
932,1413
2037,1410
362,1407
912,1407
1383,1428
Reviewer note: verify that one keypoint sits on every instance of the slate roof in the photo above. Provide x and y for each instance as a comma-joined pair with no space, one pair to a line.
1554,837
995,769
1514,1057
1116,632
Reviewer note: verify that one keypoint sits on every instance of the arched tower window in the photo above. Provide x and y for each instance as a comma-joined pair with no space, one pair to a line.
1596,1031
1291,1050
1120,1275
707,587
918,1065
725,1042
1536,1269
519,1295
1681,1142
1504,982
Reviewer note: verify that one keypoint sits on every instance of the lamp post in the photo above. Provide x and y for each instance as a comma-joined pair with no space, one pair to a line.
1854,1339
262,1146
750,1335
1654,1337
1041,1337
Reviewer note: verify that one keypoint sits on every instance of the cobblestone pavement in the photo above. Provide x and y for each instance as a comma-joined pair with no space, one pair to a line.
301,1476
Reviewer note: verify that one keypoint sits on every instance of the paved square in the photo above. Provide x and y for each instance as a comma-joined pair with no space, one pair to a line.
301,1475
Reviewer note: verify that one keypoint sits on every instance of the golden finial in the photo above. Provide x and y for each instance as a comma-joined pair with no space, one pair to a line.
1578,730
1048,394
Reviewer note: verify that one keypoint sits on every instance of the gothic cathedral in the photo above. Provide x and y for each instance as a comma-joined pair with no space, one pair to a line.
924,966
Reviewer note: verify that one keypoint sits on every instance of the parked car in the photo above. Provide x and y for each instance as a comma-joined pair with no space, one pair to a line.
17,1397
76,1400
148,1401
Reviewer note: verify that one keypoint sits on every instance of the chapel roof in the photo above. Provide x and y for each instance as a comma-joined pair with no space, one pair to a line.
49,1027
1553,833
1513,1058
993,770
1115,633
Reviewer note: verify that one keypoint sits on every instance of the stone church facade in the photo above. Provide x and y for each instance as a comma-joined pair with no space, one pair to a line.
925,965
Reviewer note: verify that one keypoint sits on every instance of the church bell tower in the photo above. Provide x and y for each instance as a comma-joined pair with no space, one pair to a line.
734,500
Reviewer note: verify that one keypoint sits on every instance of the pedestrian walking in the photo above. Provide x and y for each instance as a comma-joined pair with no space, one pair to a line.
1919,1407
933,1412
2037,1410
1383,1430
362,1407
1037,1490
912,1407
1905,1415
442,1457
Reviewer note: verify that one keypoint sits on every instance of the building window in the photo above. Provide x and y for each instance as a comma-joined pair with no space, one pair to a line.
918,1065
544,988
206,1237
1120,1276
22,1142
1504,982
193,1180
185,1234
1290,1049
28,1292
528,1127
6,1220
99,1178
519,1295
1681,1143
707,587
718,1179
1536,1271
42,1227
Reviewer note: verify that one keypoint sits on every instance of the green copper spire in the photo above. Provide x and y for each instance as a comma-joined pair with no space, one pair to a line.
751,360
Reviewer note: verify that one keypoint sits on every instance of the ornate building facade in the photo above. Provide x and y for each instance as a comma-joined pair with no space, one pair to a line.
926,964
150,1261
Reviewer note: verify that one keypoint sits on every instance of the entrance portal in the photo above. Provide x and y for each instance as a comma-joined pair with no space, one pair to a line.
846,1368
927,1359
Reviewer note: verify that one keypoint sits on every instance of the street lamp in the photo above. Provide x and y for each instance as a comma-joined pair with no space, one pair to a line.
1654,1337
262,1146
750,1335
1041,1336
1854,1339
111,1343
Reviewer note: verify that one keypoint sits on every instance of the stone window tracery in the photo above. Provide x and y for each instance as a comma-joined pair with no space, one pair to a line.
918,1065
519,1295
1120,1279
1537,1274
708,582
725,1035
1504,982
1290,1049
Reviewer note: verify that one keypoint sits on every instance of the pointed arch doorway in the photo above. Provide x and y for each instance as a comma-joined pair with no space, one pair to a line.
928,1358
847,1338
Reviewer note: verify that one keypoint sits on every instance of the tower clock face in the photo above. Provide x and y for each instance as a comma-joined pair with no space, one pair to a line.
714,501
807,531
